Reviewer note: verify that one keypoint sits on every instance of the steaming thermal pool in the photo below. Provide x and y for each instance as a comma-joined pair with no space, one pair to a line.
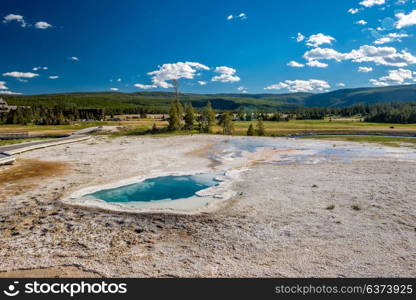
159,188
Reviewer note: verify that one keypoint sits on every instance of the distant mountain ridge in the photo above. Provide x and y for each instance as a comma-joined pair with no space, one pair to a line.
159,101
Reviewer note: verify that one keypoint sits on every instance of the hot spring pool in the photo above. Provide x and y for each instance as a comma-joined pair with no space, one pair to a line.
157,189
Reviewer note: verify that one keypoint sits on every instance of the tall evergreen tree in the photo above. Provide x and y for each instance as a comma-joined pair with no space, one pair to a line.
250,130
189,117
227,123
174,118
208,118
261,131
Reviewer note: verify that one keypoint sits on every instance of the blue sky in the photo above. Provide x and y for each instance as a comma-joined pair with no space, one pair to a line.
271,46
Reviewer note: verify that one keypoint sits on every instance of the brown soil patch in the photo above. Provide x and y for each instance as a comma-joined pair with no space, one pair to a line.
51,272
28,168
20,178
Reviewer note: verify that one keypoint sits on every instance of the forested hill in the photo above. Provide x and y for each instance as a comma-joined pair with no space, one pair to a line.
348,97
160,101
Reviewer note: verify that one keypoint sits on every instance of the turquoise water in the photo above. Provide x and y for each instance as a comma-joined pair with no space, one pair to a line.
159,188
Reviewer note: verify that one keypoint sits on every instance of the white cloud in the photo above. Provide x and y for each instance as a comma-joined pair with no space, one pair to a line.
174,71
242,89
74,58
295,86
361,22
4,90
316,40
371,3
365,69
53,77
42,25
119,80
300,37
341,84
353,11
323,53
241,16
3,85
295,64
386,56
316,64
227,74
390,38
21,74
114,89
39,68
145,86
200,82
406,20
16,18
394,77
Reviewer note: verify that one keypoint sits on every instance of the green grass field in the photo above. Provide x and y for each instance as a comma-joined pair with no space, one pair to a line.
294,127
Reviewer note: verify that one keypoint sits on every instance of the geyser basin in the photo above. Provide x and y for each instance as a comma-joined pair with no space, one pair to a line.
156,189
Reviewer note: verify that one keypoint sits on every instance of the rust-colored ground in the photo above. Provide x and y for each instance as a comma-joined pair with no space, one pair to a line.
26,174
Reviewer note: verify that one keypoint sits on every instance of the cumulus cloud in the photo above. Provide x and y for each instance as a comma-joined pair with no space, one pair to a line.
295,86
300,37
361,22
316,40
353,11
405,20
42,25
174,71
201,82
365,69
295,64
16,18
53,77
371,3
227,74
3,85
4,90
394,77
341,84
74,58
386,56
316,64
119,80
114,89
21,74
390,38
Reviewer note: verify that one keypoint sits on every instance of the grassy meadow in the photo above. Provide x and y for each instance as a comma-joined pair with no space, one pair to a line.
293,127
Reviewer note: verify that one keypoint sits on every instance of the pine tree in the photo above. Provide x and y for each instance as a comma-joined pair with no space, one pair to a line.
261,131
154,129
250,130
208,118
227,123
174,118
189,117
